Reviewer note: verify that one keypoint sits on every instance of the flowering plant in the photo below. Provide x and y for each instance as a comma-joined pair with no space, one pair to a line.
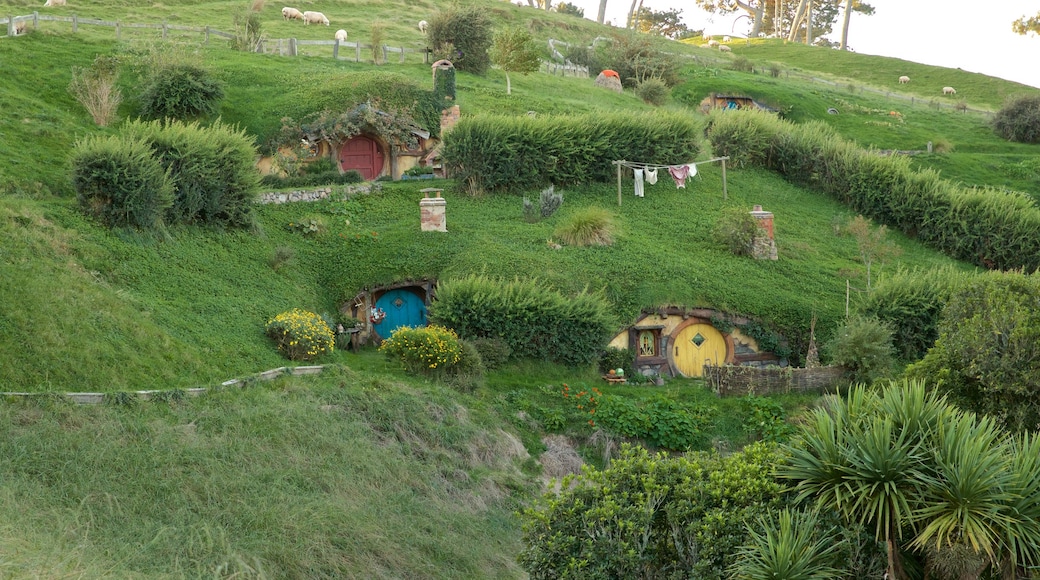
300,335
377,315
424,350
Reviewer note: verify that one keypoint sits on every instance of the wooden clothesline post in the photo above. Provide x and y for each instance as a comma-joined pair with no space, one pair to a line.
618,163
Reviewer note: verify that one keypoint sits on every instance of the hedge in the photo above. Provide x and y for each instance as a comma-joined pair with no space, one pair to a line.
498,153
990,228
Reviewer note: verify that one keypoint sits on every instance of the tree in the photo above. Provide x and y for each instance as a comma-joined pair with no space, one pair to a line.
602,14
776,16
667,23
873,243
1025,25
932,479
514,50
568,8
462,34
850,6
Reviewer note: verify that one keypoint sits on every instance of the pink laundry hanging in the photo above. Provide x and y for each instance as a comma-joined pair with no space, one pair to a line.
679,173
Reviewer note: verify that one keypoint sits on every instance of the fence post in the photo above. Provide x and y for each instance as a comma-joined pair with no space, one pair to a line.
165,29
10,25
36,19
292,47
335,50
385,53
401,60
357,52
75,24
118,31
207,35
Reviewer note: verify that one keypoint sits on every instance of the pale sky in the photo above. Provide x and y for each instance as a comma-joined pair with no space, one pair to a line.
949,33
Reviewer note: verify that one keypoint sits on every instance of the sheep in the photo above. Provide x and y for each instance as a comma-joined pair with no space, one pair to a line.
315,18
341,35
713,43
54,3
904,79
725,48
949,91
291,14
422,26
725,39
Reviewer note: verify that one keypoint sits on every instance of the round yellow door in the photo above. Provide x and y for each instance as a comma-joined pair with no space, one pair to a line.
695,346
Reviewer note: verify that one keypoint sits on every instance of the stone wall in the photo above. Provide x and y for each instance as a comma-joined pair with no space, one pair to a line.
339,192
738,381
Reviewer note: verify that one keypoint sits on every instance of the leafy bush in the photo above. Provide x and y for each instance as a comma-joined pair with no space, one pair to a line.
281,257
212,168
632,55
548,202
653,92
616,358
647,516
119,182
534,321
184,92
1019,119
95,88
988,350
333,177
736,229
765,419
462,34
494,351
300,335
467,374
587,226
428,350
568,8
864,347
498,153
661,422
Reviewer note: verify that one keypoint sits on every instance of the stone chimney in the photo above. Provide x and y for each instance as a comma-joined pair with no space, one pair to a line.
764,246
432,216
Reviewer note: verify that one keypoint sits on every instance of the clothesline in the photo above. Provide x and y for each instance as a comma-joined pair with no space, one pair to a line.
653,166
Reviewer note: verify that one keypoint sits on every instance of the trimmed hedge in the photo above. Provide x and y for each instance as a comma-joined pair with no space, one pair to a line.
534,321
212,168
120,183
498,153
987,227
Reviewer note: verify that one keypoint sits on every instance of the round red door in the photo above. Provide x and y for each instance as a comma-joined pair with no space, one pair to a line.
362,154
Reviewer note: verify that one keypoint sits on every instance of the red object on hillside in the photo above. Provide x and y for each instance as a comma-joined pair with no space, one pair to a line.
611,73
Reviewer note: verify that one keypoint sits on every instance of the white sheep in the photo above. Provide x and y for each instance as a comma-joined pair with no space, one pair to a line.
713,43
291,14
725,48
54,3
949,91
315,18
904,79
422,26
725,39
341,35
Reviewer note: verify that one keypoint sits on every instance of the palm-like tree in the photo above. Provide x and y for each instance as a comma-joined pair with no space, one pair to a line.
790,548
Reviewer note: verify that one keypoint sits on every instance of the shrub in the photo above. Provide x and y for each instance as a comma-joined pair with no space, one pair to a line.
498,153
549,201
333,177
462,34
616,358
212,168
494,351
376,35
742,64
281,256
587,226
535,321
633,56
429,350
248,27
863,346
120,183
184,92
568,8
467,374
300,335
653,92
1019,119
95,88
736,229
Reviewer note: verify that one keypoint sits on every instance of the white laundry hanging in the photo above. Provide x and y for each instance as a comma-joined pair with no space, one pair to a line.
651,176
639,182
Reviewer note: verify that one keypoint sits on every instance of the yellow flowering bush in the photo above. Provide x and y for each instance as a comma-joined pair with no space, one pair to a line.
424,350
300,335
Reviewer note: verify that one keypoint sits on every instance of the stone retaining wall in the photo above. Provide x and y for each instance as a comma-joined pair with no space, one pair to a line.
738,381
339,192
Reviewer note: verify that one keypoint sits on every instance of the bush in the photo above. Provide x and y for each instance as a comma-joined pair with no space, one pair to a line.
494,351
429,350
184,92
467,375
281,257
736,229
333,177
535,321
863,346
119,182
300,335
632,55
660,422
462,34
1019,119
588,226
653,92
95,88
498,153
616,358
212,168
568,8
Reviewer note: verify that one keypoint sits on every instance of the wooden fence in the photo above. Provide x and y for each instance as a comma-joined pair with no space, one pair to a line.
35,18
565,70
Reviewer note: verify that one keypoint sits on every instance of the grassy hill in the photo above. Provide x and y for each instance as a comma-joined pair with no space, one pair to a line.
364,472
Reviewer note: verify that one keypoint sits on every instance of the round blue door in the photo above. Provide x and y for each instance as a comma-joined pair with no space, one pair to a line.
403,308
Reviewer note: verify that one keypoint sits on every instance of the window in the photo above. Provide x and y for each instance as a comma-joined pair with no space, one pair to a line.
647,343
